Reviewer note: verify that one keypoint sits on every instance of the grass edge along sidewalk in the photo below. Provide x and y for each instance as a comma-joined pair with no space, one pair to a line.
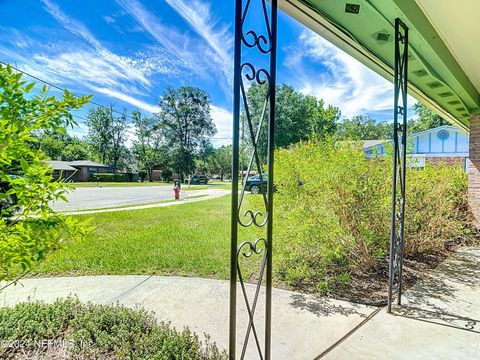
188,240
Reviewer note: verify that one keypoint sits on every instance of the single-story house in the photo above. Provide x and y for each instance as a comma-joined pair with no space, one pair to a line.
78,170
444,144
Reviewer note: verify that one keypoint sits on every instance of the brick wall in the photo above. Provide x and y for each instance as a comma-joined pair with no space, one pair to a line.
474,169
449,161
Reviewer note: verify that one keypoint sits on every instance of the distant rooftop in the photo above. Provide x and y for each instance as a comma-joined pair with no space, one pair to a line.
74,165
61,165
369,143
87,163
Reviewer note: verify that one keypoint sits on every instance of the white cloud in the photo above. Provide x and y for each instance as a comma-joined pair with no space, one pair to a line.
78,66
176,43
199,17
126,98
223,120
347,83
79,131
109,19
80,30
83,66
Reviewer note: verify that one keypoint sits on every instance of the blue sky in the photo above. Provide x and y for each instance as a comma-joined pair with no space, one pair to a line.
128,51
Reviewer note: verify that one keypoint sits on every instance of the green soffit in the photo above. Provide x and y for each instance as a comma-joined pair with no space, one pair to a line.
435,77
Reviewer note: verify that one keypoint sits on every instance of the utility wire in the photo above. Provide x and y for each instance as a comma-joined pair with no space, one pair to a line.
91,102
42,13
61,89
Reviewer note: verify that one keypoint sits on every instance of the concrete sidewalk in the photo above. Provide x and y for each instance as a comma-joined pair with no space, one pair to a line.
188,196
302,328
439,318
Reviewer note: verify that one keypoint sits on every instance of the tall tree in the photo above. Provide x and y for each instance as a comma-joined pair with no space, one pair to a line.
323,119
362,127
297,116
60,145
185,117
119,127
149,146
99,132
427,119
107,134
220,161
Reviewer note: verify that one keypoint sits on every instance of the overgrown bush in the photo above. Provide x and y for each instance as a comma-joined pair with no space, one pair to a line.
107,177
95,332
333,211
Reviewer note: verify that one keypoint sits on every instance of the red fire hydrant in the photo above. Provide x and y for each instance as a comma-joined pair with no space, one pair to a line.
176,190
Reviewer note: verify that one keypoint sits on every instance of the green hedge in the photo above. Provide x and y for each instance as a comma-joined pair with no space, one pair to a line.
338,221
107,177
95,332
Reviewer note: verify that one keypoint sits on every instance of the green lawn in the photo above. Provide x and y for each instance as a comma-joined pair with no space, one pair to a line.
190,239
143,204
220,184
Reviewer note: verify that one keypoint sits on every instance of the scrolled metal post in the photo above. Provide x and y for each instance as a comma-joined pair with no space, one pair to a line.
235,160
265,44
399,164
271,158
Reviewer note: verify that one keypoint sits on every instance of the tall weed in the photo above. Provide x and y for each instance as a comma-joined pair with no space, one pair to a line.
333,211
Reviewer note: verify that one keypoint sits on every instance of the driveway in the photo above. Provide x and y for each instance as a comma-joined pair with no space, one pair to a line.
109,197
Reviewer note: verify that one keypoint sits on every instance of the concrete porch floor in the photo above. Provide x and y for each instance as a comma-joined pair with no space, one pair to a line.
302,328
439,318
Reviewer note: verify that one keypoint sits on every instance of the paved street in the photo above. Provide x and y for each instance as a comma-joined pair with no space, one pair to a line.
108,197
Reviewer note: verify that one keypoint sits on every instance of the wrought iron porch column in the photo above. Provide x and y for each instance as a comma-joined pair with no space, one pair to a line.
245,71
399,162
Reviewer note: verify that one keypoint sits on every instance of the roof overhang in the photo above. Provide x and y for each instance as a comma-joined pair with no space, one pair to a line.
442,71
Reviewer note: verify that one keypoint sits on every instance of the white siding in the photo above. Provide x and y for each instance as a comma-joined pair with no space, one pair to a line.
423,144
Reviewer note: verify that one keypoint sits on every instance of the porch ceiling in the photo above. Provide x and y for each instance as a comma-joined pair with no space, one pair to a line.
443,70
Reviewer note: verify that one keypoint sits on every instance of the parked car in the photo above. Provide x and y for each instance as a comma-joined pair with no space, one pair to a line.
197,179
253,183
7,202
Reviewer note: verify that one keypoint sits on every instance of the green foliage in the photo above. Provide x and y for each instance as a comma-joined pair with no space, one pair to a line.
186,122
100,331
26,186
297,116
362,127
427,119
107,134
338,221
149,148
107,177
220,162
60,145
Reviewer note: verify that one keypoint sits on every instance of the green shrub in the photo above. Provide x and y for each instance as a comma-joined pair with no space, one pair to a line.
338,221
98,331
142,174
26,186
107,177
